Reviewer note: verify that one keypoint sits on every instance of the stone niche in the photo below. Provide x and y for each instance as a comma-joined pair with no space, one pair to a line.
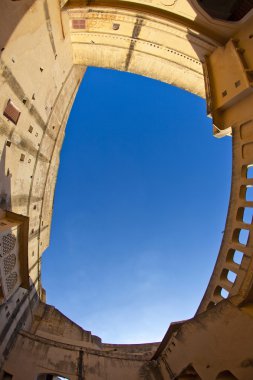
13,254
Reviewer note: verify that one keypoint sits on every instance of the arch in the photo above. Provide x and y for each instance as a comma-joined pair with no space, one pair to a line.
145,45
226,375
51,376
166,45
189,373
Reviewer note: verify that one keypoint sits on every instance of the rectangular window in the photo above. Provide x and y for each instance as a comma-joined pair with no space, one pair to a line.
12,112
78,24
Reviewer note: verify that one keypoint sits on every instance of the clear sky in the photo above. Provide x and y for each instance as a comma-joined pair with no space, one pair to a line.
140,206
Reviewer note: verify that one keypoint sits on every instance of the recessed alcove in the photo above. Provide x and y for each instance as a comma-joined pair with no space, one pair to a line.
140,207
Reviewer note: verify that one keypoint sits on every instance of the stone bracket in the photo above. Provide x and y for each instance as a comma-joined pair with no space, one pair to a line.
228,82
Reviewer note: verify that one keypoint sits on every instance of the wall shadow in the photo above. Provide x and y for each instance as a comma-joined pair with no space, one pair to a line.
5,184
17,9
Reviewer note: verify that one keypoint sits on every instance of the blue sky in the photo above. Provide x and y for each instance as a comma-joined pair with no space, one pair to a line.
140,206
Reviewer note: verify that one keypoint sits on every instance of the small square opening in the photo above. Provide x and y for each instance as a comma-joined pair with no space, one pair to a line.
224,293
237,257
231,276
22,157
243,237
250,171
249,194
248,215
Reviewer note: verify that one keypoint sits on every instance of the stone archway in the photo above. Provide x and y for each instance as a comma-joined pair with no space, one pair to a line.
225,375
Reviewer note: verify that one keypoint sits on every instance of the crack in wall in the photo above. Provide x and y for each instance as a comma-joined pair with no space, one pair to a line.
172,3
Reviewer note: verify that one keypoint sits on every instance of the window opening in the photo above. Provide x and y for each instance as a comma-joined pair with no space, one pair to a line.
243,237
231,276
249,194
250,171
224,293
238,256
248,215
12,112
